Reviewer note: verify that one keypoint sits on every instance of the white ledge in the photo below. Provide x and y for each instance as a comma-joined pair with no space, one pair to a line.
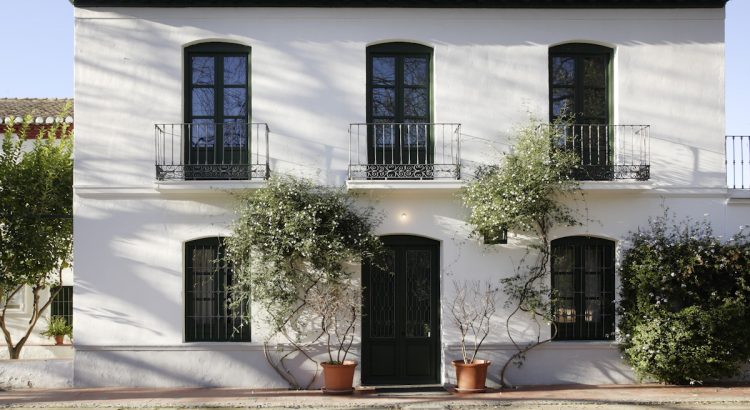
92,191
207,187
159,188
553,345
218,346
617,185
739,196
412,184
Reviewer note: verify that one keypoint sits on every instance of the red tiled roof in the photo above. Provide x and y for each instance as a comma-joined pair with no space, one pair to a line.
36,107
44,111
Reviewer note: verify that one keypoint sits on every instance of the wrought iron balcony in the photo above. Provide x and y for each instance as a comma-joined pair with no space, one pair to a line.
212,151
391,151
608,152
738,161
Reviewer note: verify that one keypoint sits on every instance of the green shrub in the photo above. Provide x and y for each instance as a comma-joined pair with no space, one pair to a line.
684,313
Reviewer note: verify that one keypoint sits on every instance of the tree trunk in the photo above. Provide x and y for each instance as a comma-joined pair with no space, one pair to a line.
14,352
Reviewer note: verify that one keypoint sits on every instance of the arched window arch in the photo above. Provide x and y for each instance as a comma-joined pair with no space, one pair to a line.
217,108
580,82
208,278
583,278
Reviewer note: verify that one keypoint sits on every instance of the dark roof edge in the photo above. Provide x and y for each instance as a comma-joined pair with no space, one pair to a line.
524,4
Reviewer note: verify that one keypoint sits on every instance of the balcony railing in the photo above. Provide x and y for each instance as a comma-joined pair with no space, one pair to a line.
738,161
212,151
609,152
422,151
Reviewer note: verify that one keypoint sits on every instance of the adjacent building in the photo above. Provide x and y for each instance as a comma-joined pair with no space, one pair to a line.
43,112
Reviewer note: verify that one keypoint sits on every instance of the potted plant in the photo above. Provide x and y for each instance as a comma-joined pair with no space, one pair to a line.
473,306
58,328
336,307
293,245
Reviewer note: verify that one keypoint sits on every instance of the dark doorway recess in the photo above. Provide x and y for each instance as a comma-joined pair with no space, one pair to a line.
400,325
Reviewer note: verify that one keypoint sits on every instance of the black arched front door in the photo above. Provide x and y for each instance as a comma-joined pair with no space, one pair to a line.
400,324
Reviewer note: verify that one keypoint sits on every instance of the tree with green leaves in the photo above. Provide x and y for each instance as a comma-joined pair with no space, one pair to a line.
36,225
293,240
526,192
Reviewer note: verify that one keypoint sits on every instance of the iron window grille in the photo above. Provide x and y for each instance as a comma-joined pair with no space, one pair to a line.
209,314
62,303
583,283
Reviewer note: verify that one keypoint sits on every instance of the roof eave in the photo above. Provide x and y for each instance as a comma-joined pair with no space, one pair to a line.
525,4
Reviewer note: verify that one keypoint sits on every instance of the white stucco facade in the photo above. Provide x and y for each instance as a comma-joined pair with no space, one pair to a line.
489,72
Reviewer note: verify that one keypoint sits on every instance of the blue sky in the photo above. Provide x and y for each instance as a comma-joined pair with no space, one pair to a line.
38,41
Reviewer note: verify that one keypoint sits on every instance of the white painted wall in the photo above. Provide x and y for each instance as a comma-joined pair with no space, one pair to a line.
308,84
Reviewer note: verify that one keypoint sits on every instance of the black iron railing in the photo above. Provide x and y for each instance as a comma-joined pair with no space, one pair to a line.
737,156
608,152
212,151
405,151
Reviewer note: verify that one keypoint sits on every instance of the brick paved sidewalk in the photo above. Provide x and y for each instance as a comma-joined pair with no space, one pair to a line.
734,397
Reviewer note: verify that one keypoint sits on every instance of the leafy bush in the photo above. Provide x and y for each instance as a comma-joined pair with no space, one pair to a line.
290,246
684,302
292,234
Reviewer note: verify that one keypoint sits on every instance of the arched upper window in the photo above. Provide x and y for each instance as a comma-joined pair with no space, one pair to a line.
217,107
580,81
583,277
399,92
580,92
208,279
398,83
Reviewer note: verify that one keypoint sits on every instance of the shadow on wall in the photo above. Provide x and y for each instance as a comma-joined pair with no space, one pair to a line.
308,81
196,366
138,287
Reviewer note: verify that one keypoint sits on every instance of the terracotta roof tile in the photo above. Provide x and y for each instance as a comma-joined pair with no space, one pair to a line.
44,109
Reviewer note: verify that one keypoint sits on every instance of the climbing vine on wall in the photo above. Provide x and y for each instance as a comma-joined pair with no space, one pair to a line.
525,191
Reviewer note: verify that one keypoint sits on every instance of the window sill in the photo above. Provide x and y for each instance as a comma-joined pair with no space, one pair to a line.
206,187
451,185
739,196
617,185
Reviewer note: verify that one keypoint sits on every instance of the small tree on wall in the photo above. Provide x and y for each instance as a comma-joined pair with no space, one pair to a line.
36,227
523,192
292,237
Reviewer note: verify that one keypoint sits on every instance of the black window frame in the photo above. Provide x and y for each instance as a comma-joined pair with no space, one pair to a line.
579,51
589,135
217,51
62,303
400,51
225,325
575,326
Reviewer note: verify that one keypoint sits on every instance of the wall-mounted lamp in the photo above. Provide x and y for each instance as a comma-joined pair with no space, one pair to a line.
403,216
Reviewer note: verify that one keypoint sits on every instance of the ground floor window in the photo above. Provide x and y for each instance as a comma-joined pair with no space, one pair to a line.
209,316
583,280
62,303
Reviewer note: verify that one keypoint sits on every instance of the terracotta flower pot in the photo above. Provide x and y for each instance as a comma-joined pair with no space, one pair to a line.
471,378
338,378
59,339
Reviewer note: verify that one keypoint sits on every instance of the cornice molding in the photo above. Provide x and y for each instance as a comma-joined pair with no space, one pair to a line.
524,4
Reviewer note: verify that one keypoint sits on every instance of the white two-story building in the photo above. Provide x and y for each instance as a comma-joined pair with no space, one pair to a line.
180,103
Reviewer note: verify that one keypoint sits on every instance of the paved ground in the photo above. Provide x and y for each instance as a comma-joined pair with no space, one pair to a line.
547,397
